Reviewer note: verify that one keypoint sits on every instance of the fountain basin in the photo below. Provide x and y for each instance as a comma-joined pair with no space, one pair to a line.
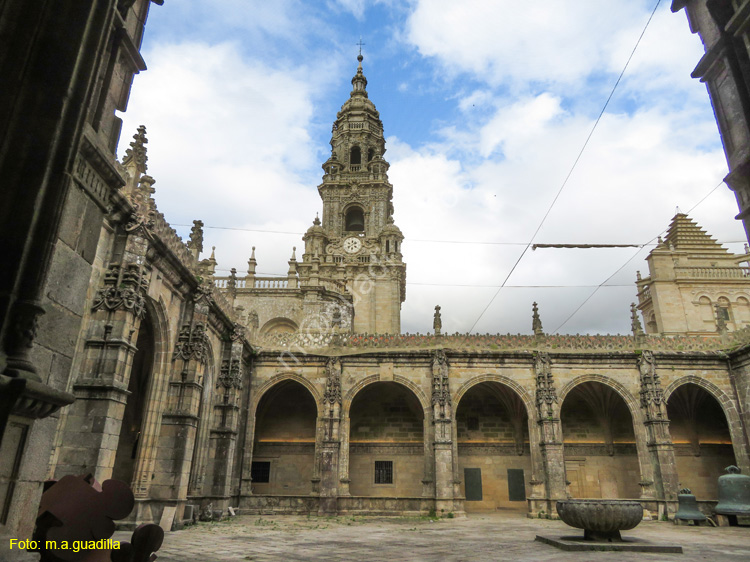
601,520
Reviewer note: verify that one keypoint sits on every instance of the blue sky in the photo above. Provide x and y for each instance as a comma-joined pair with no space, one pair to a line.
485,104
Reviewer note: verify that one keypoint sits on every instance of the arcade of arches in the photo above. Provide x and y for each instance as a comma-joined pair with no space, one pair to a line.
383,431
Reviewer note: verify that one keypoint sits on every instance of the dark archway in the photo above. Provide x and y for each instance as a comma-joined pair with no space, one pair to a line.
284,442
601,459
702,443
386,442
132,420
494,458
355,220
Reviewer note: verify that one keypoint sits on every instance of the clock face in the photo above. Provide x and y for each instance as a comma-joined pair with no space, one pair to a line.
352,245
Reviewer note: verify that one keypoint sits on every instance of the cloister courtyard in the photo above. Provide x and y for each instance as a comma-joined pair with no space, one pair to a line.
478,537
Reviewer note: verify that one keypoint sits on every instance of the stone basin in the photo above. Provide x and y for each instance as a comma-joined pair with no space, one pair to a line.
601,520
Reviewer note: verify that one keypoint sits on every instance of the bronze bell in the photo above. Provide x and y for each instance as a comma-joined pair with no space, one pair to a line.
687,507
734,493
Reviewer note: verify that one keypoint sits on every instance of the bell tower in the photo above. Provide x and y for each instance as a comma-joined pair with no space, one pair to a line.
357,242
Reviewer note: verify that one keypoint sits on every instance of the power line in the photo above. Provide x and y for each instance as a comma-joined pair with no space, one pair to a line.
470,242
603,283
573,167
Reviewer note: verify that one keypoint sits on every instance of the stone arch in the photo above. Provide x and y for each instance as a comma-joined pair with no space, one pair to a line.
495,443
164,335
283,439
281,377
726,403
743,310
279,324
510,383
598,466
630,401
385,433
731,415
416,390
354,218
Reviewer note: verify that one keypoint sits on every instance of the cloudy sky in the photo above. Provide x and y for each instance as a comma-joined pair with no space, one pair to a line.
486,105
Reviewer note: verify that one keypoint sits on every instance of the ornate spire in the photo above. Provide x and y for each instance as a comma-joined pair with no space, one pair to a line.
195,243
137,151
359,82
635,322
536,321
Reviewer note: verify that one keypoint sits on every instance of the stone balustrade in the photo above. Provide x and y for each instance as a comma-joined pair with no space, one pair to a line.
712,272
504,342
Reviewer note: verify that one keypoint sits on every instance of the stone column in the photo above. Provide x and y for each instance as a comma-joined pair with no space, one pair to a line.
93,423
227,407
179,423
661,451
442,418
330,445
550,432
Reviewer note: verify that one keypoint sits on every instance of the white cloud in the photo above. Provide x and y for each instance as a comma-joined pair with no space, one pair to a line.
232,133
231,138
505,40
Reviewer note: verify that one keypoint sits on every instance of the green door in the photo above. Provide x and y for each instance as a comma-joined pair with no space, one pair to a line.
473,484
516,486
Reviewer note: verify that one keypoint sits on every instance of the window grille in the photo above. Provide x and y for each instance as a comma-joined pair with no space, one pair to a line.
383,472
260,472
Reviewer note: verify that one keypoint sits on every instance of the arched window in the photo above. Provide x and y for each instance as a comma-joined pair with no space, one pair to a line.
723,309
370,154
355,156
355,220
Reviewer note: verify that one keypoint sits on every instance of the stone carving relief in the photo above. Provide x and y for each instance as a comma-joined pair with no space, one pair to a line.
332,399
230,375
124,288
442,413
546,395
652,396
192,343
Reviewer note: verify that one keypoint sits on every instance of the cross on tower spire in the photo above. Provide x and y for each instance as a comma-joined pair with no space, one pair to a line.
361,44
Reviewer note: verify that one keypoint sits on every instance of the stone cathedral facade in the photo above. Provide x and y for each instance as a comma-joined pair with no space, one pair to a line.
300,394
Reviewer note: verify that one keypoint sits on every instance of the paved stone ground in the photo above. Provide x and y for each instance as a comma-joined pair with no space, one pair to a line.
471,539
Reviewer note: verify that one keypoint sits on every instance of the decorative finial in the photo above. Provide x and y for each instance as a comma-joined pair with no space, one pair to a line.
213,254
294,253
252,255
316,222
437,321
196,237
536,321
635,322
137,150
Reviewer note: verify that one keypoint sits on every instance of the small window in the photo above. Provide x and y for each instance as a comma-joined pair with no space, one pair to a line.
387,246
260,472
383,472
472,424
